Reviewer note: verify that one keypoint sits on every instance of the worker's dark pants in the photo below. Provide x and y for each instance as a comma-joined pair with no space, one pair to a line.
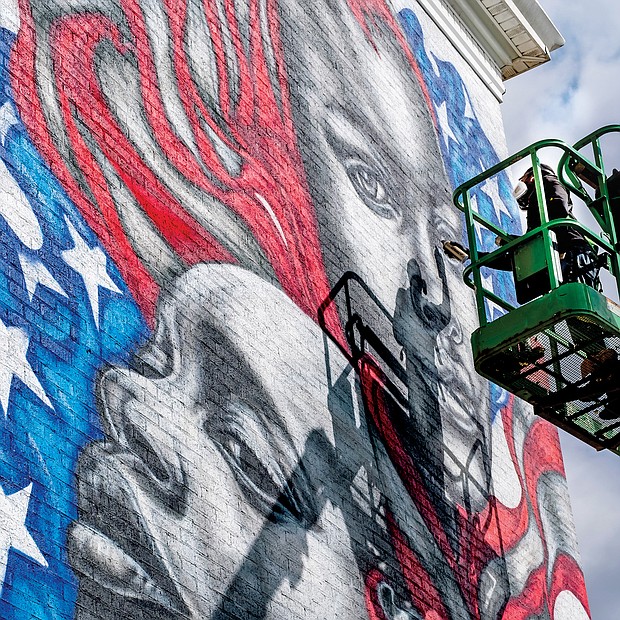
578,265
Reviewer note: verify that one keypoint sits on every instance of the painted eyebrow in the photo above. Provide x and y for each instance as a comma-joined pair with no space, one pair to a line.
340,124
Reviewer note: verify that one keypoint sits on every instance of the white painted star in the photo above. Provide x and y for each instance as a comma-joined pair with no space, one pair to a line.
8,119
473,201
491,188
35,273
16,210
9,15
469,111
14,344
494,309
444,123
478,227
92,266
13,532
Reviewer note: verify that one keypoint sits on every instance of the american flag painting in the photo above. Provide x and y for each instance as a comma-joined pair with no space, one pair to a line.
64,312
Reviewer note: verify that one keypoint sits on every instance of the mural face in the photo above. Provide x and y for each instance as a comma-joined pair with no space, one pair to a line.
383,205
250,466
224,164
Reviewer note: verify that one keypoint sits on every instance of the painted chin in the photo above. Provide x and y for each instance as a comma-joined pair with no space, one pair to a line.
465,418
461,392
458,408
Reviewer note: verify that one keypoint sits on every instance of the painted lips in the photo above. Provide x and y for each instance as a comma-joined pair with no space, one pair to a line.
111,545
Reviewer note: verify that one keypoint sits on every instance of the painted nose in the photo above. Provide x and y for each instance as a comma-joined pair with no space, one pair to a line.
128,422
434,310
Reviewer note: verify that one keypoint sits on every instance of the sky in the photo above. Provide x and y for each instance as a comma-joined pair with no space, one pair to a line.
567,98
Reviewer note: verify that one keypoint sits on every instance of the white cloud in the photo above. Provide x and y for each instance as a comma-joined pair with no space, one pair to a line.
578,90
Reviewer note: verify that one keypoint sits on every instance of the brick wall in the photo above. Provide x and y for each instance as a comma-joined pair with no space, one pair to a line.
204,207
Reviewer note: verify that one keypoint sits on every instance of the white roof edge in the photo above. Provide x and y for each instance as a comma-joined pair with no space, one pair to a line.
536,16
517,34
496,37
499,39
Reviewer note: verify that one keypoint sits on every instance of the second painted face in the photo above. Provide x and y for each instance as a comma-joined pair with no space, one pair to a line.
383,206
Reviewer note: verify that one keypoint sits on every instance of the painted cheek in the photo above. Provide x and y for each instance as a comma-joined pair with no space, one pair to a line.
329,562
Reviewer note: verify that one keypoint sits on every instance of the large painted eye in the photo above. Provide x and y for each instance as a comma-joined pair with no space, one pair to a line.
371,188
256,459
260,477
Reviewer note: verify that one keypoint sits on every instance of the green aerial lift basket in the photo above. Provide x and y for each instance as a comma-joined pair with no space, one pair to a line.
560,348
551,340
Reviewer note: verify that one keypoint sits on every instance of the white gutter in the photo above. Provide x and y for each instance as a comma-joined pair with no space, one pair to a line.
498,38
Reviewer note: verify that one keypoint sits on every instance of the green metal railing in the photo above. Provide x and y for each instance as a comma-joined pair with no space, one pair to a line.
560,348
570,161
600,206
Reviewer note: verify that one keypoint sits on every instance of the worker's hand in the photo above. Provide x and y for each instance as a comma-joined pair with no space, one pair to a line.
500,241
454,250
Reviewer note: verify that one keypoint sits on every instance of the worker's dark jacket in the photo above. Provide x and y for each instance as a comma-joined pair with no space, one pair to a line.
578,260
559,206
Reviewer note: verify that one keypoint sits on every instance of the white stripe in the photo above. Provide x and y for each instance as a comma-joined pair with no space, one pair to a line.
269,210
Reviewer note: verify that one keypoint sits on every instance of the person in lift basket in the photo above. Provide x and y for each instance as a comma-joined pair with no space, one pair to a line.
577,258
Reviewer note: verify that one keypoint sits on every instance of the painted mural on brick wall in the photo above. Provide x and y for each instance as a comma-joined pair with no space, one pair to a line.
195,199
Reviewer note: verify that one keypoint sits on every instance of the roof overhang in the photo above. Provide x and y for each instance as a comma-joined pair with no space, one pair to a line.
517,34
498,38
